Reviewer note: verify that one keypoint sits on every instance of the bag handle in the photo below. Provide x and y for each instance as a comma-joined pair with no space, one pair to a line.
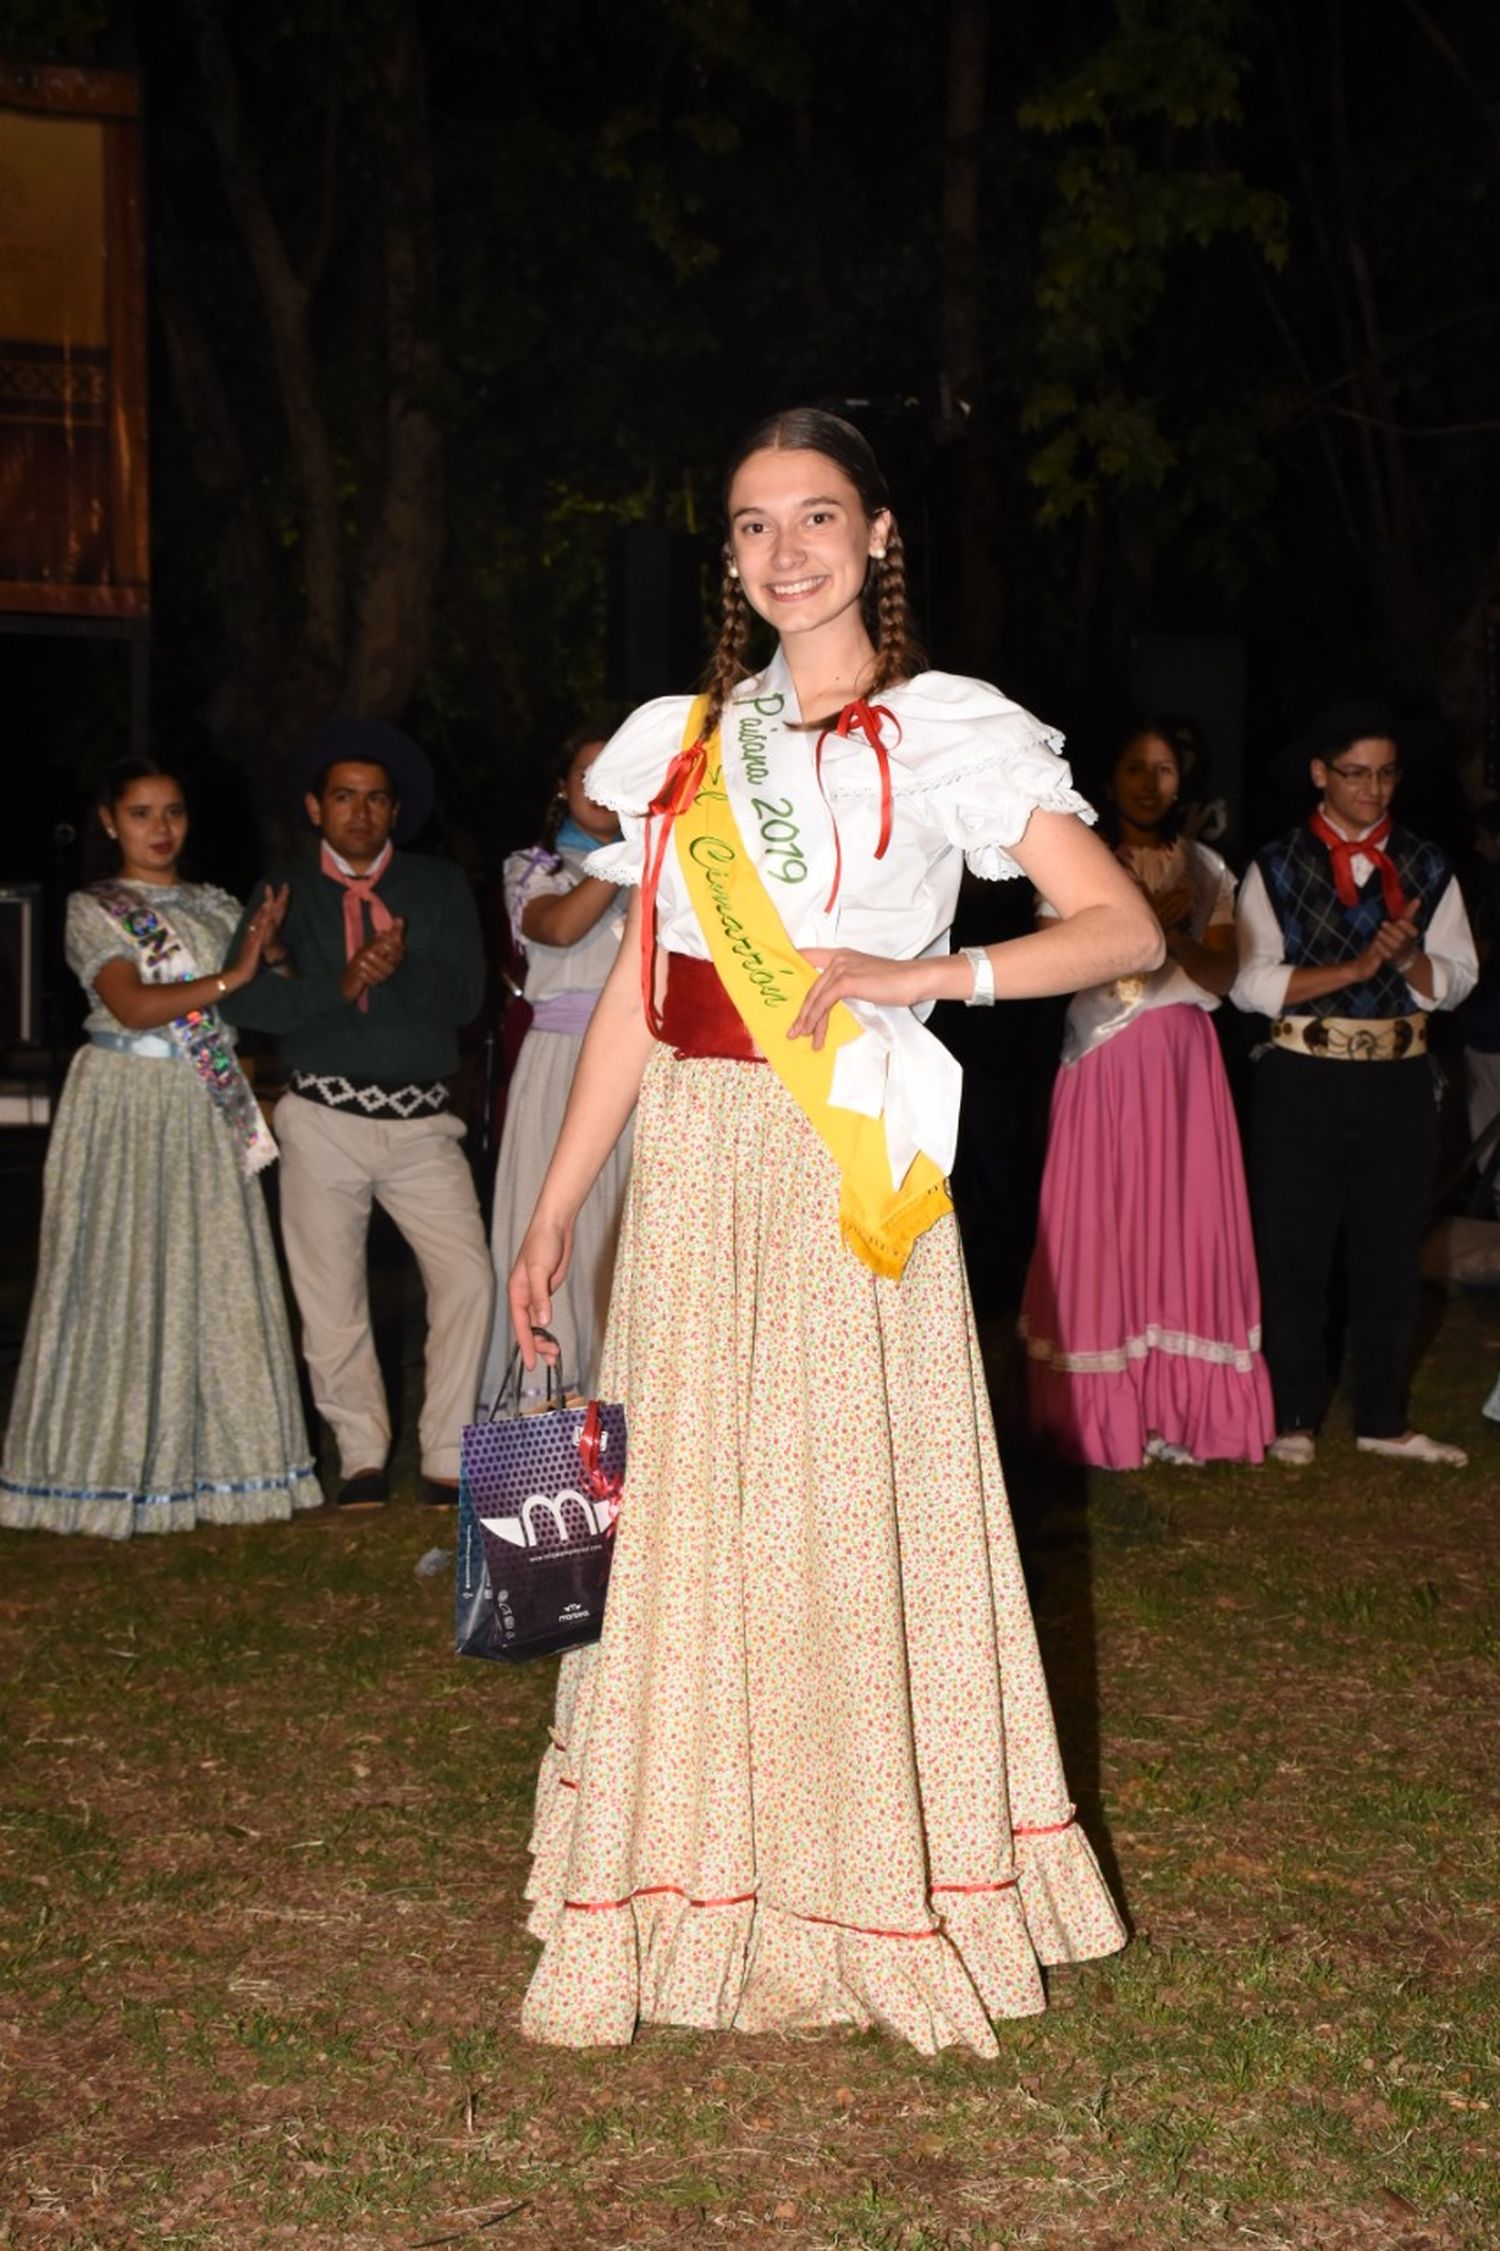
510,1389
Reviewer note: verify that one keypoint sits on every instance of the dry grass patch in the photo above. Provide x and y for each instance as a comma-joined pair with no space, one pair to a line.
263,1841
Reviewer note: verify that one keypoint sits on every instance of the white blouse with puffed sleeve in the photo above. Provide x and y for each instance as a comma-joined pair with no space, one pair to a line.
966,770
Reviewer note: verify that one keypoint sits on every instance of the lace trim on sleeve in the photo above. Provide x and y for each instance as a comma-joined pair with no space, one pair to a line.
990,860
622,863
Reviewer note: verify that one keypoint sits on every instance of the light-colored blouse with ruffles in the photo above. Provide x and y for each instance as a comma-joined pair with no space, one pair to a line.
968,768
1100,1011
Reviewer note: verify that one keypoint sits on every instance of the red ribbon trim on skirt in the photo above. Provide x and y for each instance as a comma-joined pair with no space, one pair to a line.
1007,1883
654,1891
746,1898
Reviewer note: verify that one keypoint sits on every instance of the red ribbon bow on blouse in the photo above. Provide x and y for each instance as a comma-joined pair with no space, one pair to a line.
359,893
866,717
1345,850
681,784
676,794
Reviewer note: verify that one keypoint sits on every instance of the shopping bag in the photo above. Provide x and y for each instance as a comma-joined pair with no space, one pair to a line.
537,1502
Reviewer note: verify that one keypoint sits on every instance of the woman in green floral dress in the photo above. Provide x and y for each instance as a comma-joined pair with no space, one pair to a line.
157,1388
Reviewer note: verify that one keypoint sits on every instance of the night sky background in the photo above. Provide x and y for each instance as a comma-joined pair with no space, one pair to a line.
1167,317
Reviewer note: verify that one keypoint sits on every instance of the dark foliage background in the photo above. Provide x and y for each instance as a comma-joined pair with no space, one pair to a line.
1168,315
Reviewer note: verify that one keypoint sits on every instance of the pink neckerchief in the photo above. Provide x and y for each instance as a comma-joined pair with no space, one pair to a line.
359,892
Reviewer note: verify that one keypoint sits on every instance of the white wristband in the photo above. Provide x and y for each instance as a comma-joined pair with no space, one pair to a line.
983,995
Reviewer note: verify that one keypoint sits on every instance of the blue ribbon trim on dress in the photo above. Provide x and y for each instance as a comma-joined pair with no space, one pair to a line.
230,1486
139,1043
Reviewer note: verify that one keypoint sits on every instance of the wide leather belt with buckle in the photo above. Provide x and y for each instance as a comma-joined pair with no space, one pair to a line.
1352,1039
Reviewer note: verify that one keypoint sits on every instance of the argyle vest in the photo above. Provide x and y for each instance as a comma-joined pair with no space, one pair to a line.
1317,929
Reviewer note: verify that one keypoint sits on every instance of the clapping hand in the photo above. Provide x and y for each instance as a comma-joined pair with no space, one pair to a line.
260,942
376,961
1173,909
1395,941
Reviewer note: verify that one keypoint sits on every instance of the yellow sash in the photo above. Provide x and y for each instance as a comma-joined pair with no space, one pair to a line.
767,980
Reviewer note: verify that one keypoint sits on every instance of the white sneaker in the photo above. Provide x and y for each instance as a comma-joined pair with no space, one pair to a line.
1416,1446
1167,1450
1294,1448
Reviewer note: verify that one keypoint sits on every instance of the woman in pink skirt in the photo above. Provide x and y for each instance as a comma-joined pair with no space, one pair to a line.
1141,1316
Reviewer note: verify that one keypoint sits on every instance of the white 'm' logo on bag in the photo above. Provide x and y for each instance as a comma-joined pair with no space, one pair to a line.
521,1530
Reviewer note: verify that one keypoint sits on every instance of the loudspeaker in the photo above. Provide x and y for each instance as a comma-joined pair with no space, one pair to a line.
655,644
20,964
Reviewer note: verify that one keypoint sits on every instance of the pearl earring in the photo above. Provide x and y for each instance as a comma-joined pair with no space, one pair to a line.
731,570
877,554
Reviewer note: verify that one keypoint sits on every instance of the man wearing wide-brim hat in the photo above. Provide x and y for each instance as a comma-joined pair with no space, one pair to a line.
1351,931
384,962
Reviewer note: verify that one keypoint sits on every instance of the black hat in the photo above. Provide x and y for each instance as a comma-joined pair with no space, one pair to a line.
372,742
1356,719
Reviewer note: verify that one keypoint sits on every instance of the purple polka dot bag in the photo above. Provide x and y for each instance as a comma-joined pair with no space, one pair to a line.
538,1499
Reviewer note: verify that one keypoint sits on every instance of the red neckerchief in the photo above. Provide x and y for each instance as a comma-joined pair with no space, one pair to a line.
360,892
1344,851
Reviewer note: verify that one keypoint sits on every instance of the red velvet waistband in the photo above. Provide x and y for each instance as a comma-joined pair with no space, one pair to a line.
698,1018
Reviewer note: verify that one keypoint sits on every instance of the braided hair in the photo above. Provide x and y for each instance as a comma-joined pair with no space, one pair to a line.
557,803
887,610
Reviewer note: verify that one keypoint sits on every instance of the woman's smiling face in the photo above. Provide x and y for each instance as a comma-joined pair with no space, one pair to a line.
800,538
150,821
1147,779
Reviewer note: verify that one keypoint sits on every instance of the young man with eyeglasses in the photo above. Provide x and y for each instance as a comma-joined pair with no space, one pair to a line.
1351,931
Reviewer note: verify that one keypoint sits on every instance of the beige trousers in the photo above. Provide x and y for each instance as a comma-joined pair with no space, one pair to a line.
333,1167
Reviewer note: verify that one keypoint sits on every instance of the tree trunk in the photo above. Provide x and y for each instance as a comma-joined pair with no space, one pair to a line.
243,575
354,631
398,565
285,300
964,423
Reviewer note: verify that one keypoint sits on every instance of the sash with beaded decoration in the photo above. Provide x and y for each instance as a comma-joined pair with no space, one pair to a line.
767,979
198,1035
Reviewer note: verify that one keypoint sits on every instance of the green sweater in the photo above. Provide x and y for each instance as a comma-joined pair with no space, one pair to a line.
409,1032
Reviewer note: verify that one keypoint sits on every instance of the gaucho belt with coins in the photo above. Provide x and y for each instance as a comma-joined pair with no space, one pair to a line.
1352,1039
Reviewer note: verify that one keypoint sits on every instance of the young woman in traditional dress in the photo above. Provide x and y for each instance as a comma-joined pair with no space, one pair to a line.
809,1775
566,924
1141,1313
157,1388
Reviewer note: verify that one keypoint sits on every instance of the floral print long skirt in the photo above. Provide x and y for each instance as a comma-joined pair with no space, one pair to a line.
809,1776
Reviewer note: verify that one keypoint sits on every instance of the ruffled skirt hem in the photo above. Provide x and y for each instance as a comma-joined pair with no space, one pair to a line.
120,1516
741,1963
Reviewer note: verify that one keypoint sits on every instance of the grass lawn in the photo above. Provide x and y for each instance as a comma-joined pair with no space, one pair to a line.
263,1839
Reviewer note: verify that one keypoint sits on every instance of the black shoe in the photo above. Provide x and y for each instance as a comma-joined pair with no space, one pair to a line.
366,1489
437,1492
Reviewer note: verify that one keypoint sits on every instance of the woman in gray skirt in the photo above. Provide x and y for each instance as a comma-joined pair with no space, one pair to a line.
157,1388
567,924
